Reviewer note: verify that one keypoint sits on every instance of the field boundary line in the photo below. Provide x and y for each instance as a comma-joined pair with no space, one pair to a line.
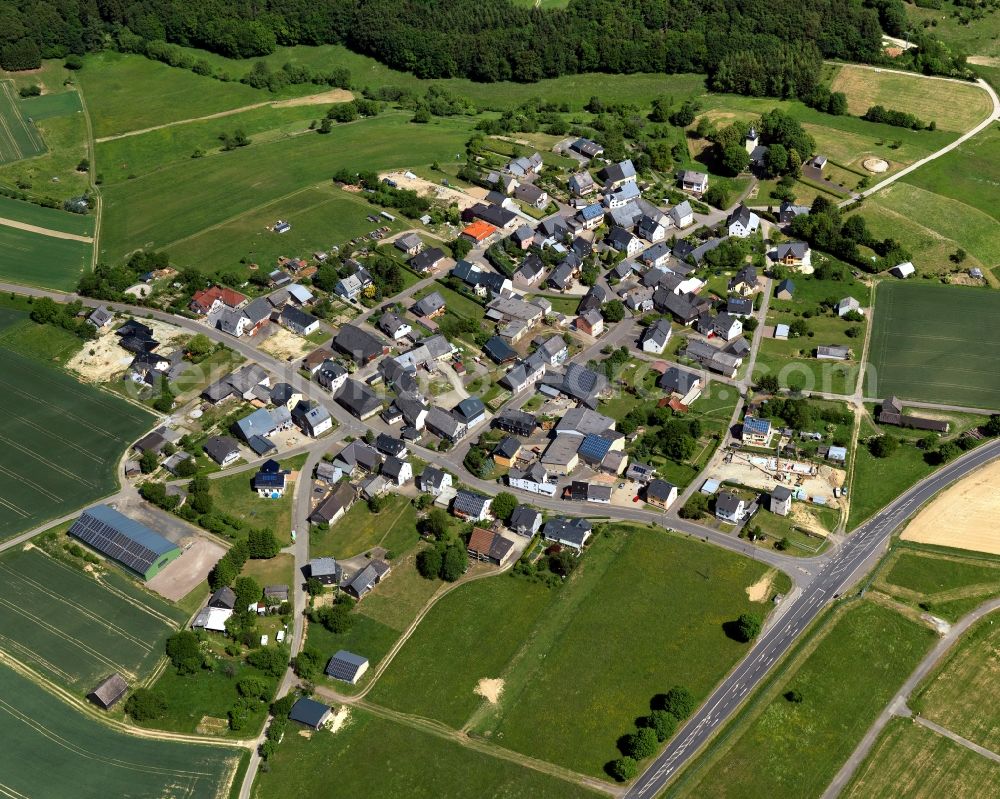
44,231
138,732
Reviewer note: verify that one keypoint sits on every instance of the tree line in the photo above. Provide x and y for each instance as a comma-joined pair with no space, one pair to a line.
771,48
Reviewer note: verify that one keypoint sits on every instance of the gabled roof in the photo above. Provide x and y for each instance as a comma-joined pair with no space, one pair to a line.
359,344
471,503
430,304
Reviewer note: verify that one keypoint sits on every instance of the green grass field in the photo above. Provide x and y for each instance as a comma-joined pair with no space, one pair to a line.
19,138
777,748
62,441
235,496
360,530
52,751
573,646
936,344
946,582
933,226
958,696
322,217
38,260
166,207
967,174
49,218
953,106
75,628
979,37
373,756
912,761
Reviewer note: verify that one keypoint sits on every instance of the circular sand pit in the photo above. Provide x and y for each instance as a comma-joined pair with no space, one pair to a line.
876,165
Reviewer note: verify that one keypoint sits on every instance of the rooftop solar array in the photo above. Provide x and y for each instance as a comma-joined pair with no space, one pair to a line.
125,540
345,666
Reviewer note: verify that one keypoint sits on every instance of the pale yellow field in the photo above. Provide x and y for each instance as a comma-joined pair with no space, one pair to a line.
964,516
953,106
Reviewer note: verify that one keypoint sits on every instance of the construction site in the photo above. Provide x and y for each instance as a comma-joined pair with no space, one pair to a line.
808,482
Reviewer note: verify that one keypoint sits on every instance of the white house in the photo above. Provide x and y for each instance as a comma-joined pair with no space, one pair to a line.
694,182
848,304
727,327
655,337
742,222
730,507
682,215
534,479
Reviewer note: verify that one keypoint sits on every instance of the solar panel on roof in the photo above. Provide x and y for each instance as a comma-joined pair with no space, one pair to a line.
120,538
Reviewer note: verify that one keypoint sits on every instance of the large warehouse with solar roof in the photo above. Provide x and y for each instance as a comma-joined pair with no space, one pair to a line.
124,540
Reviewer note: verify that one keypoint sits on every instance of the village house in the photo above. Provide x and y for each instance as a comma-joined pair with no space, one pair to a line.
409,243
581,184
730,507
590,322
433,481
489,547
661,494
534,479
427,260
298,321
572,533
471,506
742,222
682,385
793,254
694,182
655,337
756,432
431,306
780,501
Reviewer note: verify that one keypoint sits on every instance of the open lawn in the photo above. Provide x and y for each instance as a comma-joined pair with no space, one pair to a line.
360,530
321,217
49,218
952,105
937,344
38,260
979,37
912,761
961,694
151,211
75,627
933,226
968,174
372,756
52,751
62,441
845,674
542,645
234,496
279,570
42,342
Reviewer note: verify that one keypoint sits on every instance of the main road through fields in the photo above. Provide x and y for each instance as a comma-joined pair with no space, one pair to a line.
861,548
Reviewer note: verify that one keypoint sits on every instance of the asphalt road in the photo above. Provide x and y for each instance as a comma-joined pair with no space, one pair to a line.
835,575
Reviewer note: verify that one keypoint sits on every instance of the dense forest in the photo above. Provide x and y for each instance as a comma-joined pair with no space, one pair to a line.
754,48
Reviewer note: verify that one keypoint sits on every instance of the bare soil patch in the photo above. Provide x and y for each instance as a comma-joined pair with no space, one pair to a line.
490,689
332,96
964,516
182,576
211,725
803,517
426,188
339,719
761,590
102,360
284,344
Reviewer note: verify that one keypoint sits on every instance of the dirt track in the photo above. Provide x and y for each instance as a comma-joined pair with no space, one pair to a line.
964,516
55,234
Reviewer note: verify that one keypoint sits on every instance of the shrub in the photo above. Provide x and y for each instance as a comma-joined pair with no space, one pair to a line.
623,769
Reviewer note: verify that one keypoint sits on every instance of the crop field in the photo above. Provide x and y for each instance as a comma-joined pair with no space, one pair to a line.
936,344
960,694
52,751
49,218
18,137
932,227
542,646
953,105
322,217
74,627
165,207
912,761
61,441
35,259
371,756
777,748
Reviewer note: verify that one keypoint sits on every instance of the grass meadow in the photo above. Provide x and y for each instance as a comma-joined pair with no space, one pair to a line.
52,751
395,528
954,106
946,582
936,344
76,628
322,217
959,694
35,259
981,37
597,671
62,441
776,748
19,138
372,756
912,761
166,207
49,218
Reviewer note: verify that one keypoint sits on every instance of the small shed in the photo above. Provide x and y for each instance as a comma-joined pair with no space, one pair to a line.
109,692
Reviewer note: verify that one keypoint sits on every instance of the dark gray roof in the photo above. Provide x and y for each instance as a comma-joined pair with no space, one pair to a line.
109,691
659,489
677,380
323,567
432,477
727,503
218,448
357,398
470,503
291,315
524,518
571,531
309,712
432,303
426,259
345,666
469,409
361,345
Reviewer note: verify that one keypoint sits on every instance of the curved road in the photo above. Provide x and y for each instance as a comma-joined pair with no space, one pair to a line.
837,573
